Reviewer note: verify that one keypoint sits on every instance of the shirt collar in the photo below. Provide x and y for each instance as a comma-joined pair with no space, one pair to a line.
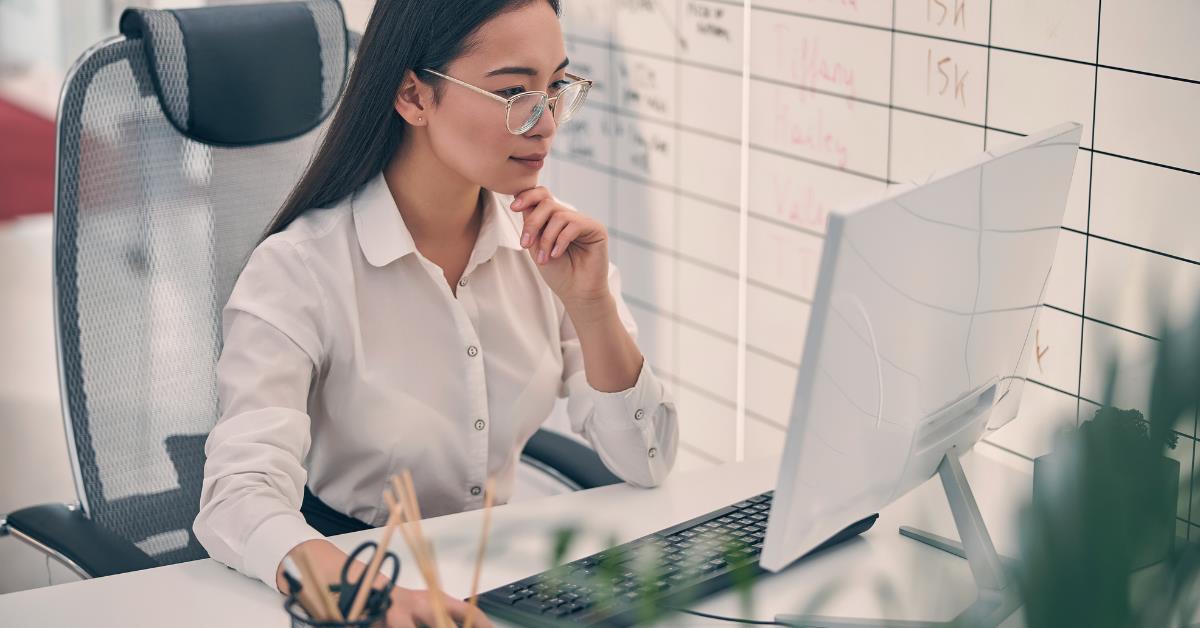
384,238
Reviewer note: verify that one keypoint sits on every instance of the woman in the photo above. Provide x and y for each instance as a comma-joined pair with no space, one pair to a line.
403,314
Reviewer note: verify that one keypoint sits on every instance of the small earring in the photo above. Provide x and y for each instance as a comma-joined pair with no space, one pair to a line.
419,118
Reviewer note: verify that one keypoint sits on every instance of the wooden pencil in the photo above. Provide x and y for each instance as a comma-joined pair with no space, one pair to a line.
360,598
487,518
308,596
413,513
313,579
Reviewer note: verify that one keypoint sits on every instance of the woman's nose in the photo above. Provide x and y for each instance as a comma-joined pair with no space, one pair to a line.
546,126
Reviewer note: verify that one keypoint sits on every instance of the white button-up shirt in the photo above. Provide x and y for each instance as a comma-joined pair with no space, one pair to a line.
347,359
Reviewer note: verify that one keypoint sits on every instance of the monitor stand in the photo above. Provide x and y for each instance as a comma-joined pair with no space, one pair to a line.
998,595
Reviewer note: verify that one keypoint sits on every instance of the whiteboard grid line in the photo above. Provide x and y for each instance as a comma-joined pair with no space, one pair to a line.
1131,245
675,202
891,103
1068,312
696,451
634,115
1087,241
990,46
987,77
633,239
882,105
647,244
1084,399
715,398
967,42
677,318
1192,485
615,172
743,228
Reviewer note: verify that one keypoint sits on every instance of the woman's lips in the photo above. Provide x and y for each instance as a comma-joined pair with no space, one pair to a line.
533,164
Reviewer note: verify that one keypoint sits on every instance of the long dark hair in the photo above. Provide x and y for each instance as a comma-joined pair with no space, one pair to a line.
366,130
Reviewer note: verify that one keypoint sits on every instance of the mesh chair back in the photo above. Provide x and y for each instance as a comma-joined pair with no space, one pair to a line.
155,215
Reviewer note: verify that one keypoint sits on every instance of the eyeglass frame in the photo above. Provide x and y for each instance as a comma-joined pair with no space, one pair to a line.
551,101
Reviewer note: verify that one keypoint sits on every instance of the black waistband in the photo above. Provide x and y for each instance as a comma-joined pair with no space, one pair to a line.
326,520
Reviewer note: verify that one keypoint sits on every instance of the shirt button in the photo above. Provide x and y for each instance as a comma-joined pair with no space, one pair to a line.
472,351
475,490
640,414
479,424
653,451
462,282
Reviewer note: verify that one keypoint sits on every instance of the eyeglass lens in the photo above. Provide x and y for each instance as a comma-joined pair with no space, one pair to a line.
527,108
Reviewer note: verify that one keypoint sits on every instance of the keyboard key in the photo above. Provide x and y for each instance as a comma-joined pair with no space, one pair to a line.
529,605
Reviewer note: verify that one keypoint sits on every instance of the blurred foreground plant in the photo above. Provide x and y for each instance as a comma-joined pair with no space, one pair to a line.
1096,541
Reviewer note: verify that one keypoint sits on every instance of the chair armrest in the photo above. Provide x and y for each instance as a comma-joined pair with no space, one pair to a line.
571,459
90,549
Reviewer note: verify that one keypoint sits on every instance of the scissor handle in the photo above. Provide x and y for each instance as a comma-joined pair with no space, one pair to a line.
345,577
349,590
366,545
395,567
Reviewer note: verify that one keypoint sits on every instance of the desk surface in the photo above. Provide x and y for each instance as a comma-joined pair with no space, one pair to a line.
878,574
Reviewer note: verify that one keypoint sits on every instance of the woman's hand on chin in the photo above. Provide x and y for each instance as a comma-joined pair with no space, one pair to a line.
570,248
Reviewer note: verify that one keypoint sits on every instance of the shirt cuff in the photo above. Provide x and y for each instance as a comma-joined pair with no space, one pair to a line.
632,407
270,543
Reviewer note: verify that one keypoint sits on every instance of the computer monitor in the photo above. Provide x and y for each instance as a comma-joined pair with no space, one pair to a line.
921,330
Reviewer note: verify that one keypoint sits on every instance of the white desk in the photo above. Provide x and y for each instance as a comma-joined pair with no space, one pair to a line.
925,583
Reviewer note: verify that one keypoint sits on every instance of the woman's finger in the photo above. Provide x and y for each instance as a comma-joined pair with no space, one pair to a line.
558,221
399,618
459,610
529,198
568,235
535,219
424,614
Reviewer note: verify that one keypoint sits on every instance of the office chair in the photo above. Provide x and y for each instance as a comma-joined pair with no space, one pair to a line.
177,142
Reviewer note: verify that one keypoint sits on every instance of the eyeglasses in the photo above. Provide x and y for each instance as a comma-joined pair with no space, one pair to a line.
524,110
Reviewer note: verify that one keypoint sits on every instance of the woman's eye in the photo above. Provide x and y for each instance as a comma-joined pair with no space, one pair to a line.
513,91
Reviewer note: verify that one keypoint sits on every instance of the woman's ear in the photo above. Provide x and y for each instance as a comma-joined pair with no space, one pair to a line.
413,99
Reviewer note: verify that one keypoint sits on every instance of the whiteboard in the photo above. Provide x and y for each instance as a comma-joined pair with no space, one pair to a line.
716,210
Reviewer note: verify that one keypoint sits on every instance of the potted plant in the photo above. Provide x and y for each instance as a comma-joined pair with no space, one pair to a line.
1098,544
1137,486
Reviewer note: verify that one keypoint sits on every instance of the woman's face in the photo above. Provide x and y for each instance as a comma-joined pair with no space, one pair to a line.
520,50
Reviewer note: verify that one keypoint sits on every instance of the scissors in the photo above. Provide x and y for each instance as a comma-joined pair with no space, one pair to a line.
349,590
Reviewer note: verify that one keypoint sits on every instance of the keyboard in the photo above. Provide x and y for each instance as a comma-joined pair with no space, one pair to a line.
638,581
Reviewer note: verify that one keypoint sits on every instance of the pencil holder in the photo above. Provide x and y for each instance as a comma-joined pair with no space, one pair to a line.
374,613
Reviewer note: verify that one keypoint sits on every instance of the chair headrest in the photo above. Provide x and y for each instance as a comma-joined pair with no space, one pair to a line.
244,74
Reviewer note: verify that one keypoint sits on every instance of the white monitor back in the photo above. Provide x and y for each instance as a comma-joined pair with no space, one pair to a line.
925,303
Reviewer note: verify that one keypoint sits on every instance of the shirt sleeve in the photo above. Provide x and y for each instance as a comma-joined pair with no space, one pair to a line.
254,476
635,431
